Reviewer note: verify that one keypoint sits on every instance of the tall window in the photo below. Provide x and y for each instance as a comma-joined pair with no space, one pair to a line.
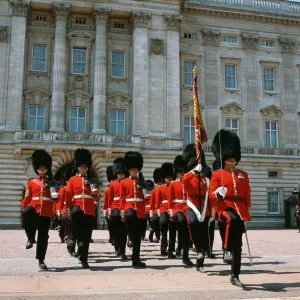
273,203
118,64
117,122
233,125
269,79
230,39
79,61
36,118
271,134
188,72
189,130
39,58
230,76
77,119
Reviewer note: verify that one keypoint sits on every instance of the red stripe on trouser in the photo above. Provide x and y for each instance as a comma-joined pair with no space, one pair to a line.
227,217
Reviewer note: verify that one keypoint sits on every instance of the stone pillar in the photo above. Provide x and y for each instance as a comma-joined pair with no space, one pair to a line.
14,107
140,73
100,71
173,76
58,115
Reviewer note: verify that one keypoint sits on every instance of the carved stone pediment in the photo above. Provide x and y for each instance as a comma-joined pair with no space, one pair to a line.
156,47
249,40
272,111
36,96
189,105
3,33
118,100
79,34
78,97
287,44
210,37
232,107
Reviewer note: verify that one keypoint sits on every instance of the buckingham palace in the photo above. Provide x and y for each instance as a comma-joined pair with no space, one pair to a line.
116,75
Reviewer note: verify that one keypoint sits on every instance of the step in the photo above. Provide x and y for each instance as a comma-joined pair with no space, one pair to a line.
9,214
11,203
10,209
12,182
17,192
8,221
4,197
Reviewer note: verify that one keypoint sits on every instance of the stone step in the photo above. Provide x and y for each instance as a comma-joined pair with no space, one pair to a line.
10,214
12,220
10,203
8,191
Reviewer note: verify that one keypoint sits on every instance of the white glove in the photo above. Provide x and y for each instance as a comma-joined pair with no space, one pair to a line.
198,168
158,212
147,197
122,214
151,214
171,213
221,191
109,213
53,192
94,190
104,213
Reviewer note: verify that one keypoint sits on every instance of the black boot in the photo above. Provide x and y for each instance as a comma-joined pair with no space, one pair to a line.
236,281
123,256
42,265
187,262
178,252
85,264
171,255
138,264
29,244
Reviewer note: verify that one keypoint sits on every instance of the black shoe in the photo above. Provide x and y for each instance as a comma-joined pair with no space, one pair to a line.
62,240
29,244
42,265
129,244
138,264
236,281
85,265
171,255
156,240
124,257
178,252
34,241
151,240
163,253
110,240
211,255
91,241
73,253
187,262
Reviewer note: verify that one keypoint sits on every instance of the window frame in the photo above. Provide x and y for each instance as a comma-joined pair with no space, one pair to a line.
278,203
266,41
230,37
188,61
235,77
191,128
231,128
86,60
124,69
45,59
117,121
191,34
36,117
270,130
77,118
274,79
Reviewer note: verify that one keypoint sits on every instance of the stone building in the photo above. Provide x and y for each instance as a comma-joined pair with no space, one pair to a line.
116,75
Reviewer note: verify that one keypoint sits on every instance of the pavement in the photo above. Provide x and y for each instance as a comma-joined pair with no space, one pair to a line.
275,273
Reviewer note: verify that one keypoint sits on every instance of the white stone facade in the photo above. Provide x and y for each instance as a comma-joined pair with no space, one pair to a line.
247,54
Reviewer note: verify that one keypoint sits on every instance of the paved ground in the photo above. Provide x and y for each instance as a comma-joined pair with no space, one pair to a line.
275,274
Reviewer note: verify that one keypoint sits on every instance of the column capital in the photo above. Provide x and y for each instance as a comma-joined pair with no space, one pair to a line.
140,19
173,22
61,12
249,40
287,44
3,33
19,8
210,37
101,14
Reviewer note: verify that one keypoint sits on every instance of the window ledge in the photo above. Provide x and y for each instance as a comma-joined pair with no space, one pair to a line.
118,78
80,75
187,86
38,73
270,93
232,89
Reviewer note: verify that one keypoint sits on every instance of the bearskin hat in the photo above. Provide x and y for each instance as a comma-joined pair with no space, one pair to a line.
82,156
118,166
133,160
41,158
230,146
109,173
179,164
157,175
189,157
167,170
68,173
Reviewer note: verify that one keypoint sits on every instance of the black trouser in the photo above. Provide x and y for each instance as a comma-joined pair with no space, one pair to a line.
34,222
83,225
134,226
156,225
222,230
235,228
119,231
144,227
61,230
211,230
165,225
110,229
183,234
70,233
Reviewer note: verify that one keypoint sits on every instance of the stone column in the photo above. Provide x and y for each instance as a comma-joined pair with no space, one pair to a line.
58,115
140,73
173,76
16,66
100,71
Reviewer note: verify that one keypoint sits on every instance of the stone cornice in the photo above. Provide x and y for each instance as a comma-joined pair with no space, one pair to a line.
61,12
140,19
101,13
19,8
173,22
3,33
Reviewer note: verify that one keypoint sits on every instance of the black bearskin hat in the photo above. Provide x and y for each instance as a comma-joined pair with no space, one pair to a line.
82,156
167,170
230,146
179,164
157,175
109,173
133,160
68,173
189,157
118,166
41,158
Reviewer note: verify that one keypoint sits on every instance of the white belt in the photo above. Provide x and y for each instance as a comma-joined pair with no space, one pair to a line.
147,206
116,198
41,198
164,201
82,196
180,201
134,200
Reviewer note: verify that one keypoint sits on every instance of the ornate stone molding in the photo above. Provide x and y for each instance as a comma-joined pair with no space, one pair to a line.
78,34
173,22
61,12
19,8
287,44
3,33
210,37
101,14
272,111
140,19
249,40
232,107
156,47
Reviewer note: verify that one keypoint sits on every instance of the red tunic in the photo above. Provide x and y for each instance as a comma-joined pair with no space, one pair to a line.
177,197
58,207
191,187
147,202
39,197
161,198
152,201
238,192
132,197
114,195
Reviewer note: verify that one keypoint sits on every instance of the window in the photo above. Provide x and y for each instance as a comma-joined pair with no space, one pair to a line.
271,134
117,122
273,203
298,47
188,72
77,119
230,76
189,130
190,36
36,118
269,79
230,39
41,18
266,43
39,58
273,174
80,21
79,61
233,125
118,64
119,25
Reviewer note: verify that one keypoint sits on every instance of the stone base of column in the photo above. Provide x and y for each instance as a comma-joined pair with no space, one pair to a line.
99,131
57,129
10,128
